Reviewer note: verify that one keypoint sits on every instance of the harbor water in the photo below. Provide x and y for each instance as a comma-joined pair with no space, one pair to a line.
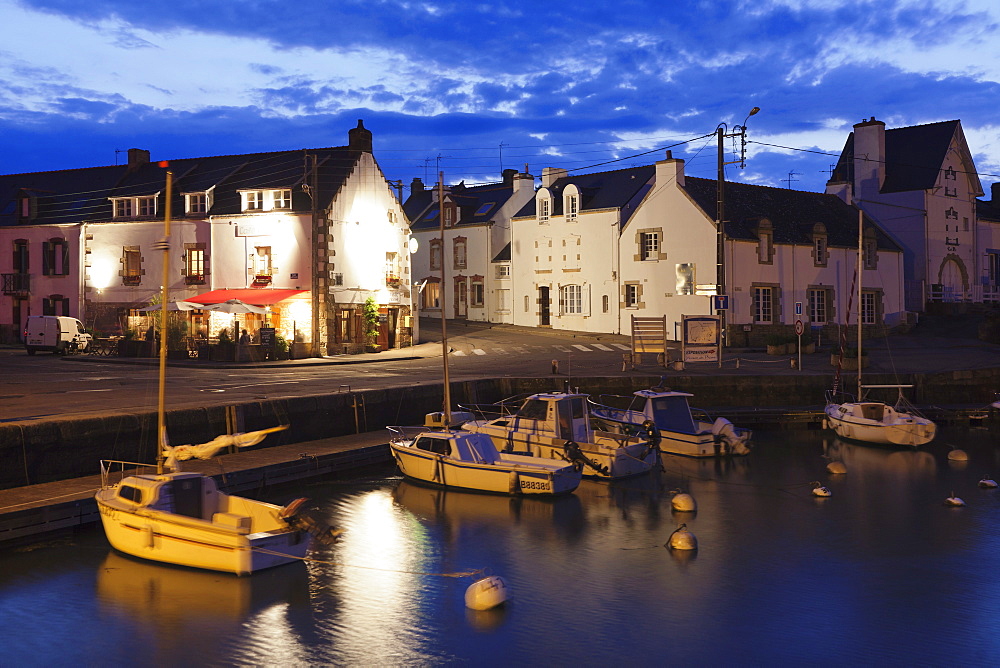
881,572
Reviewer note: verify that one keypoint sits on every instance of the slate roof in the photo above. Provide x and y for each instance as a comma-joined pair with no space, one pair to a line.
913,156
792,213
503,255
619,189
78,195
471,201
990,209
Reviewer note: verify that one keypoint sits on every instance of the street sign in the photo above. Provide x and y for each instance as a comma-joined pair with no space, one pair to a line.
798,308
720,302
798,327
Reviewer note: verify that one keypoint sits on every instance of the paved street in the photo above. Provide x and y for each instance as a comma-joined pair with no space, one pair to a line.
44,386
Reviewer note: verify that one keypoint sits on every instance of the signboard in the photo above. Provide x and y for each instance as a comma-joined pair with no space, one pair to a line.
253,228
266,337
701,338
798,327
720,302
798,308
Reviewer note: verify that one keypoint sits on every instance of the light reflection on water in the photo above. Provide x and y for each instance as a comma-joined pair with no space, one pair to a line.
881,572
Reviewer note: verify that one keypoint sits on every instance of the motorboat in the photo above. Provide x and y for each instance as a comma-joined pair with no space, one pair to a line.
683,430
557,425
181,517
465,460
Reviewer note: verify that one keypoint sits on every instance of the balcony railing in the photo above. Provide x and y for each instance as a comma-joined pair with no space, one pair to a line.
16,284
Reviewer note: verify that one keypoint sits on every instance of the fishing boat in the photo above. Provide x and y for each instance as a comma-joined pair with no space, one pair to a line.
868,421
558,425
178,517
458,459
440,454
682,429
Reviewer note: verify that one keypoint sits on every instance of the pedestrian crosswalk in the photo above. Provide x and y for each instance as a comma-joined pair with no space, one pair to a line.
529,349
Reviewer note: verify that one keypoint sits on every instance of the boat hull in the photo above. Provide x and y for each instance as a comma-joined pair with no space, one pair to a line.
187,541
887,427
516,475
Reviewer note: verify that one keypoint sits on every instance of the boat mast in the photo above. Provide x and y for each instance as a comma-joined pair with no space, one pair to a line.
860,269
163,245
443,292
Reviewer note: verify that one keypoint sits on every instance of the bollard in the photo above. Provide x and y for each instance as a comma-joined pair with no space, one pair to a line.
793,362
737,362
555,366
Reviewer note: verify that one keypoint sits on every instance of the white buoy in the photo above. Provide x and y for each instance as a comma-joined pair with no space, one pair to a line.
954,501
682,539
819,490
486,593
958,456
684,503
987,483
837,468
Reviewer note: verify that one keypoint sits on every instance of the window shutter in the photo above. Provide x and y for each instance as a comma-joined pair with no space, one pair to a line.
65,260
585,299
47,259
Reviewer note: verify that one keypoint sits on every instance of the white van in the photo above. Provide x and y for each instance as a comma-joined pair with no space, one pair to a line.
57,333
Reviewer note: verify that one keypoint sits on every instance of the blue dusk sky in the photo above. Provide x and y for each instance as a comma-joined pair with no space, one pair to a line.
472,87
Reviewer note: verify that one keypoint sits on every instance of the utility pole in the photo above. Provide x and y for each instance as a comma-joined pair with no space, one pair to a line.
720,262
441,298
316,264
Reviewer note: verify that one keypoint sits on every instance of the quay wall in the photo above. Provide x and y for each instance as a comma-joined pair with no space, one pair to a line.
33,452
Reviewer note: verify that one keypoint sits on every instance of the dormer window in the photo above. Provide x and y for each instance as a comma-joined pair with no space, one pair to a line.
571,205
146,206
821,251
123,208
543,210
282,199
131,207
196,203
765,242
870,250
449,214
253,200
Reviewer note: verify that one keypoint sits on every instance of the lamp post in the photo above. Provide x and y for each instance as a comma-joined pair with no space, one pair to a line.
720,261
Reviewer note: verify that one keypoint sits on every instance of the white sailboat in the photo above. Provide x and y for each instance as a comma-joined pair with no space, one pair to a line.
874,421
442,456
181,517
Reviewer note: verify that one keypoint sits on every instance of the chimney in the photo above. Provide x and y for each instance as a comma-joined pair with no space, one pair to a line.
523,180
359,139
551,174
669,171
869,158
508,176
995,194
137,157
416,186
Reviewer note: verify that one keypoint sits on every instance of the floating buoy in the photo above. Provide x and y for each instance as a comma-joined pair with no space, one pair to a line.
987,483
836,468
486,593
682,539
954,501
819,490
958,456
684,503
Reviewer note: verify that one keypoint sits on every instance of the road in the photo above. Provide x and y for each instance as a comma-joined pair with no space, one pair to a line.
44,386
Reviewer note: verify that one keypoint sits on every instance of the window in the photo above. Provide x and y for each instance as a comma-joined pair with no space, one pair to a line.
993,264
123,208
821,249
571,299
572,206
868,310
503,271
435,254
950,192
196,202
431,295
478,296
605,303
392,270
282,199
21,256
685,279
260,266
132,270
147,206
765,244
951,214
950,174
459,253
870,249
449,214
649,246
55,257
543,210
254,200
762,304
633,291
55,305
484,208
344,325
818,306
527,304
194,264
431,215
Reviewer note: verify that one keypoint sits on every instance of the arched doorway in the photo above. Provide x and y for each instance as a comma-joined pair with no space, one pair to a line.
953,279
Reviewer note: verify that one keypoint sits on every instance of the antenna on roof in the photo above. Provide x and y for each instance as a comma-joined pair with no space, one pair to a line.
790,179
117,151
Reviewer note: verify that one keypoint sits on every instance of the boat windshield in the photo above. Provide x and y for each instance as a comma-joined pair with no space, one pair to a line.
534,409
673,413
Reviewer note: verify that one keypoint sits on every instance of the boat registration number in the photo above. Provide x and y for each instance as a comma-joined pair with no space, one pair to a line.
534,484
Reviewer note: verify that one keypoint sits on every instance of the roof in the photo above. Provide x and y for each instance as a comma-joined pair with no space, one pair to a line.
913,156
618,189
81,195
476,204
990,209
792,213
503,255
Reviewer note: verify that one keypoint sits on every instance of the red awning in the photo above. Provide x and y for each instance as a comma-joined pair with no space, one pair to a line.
255,296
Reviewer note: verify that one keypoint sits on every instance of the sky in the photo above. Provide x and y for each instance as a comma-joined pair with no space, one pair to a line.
470,88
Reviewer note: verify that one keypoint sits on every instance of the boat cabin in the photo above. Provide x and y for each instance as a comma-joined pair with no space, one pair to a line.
669,410
555,414
463,445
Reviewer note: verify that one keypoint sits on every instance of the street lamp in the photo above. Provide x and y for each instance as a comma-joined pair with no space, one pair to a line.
720,268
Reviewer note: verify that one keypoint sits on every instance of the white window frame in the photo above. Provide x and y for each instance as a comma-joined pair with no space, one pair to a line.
123,207
763,304
544,210
571,299
631,295
819,311
283,199
196,202
253,200
503,271
145,206
572,207
869,308
650,250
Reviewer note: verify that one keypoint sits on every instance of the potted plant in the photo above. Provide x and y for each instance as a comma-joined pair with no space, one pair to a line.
280,347
176,343
370,322
775,344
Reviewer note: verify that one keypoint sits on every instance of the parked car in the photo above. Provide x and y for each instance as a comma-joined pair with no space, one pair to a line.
57,333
